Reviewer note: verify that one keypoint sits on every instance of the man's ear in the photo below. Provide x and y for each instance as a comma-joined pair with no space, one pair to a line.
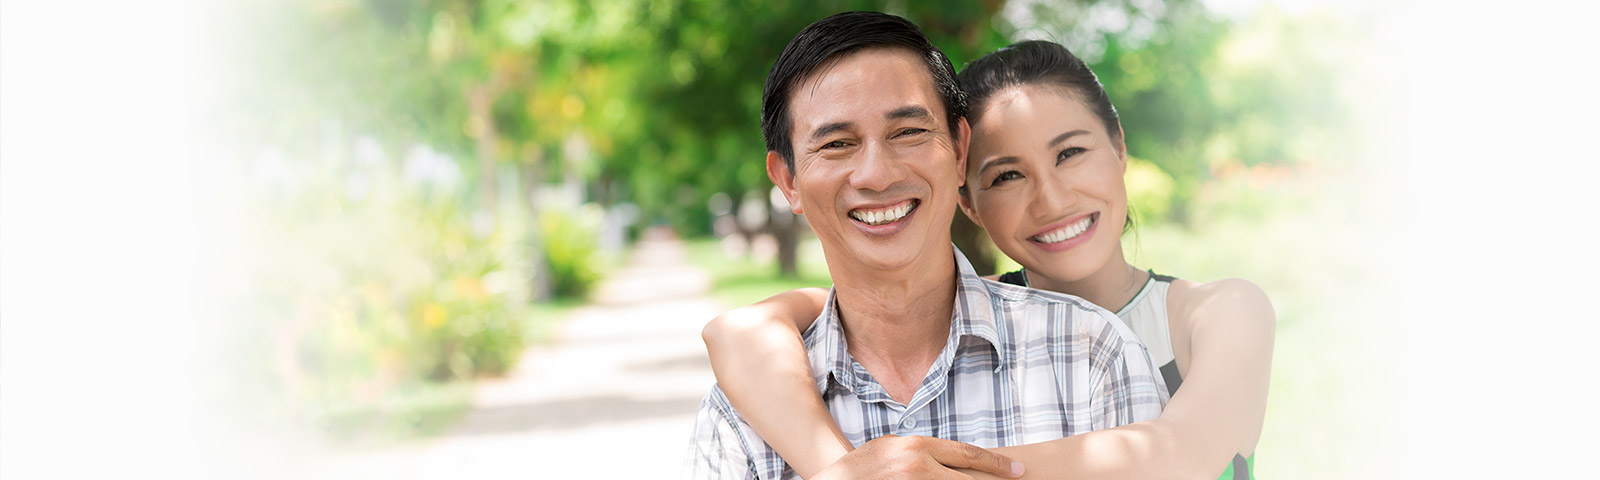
965,200
779,173
963,146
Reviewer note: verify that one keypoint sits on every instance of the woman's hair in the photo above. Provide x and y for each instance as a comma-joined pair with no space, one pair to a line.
1035,62
1038,63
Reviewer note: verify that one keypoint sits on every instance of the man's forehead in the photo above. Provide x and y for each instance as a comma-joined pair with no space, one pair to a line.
891,77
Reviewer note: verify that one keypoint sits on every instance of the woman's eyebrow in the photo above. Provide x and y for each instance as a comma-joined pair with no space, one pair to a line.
997,161
1063,137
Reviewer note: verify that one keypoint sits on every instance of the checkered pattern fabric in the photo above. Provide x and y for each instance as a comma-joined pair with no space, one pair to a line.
1020,366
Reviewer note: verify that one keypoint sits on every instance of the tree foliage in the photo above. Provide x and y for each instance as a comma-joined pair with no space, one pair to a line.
656,102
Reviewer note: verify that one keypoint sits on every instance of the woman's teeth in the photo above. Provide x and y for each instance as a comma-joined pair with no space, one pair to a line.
883,216
1066,233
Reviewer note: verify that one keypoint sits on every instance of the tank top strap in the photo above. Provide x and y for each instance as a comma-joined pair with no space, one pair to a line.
1017,278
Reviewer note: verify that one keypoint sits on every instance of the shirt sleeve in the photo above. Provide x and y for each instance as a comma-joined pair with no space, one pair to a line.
1128,391
715,451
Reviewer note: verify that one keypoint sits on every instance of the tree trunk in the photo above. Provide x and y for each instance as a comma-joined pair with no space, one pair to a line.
532,173
786,230
974,243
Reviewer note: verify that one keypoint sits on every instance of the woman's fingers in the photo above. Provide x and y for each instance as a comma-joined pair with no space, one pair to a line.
955,454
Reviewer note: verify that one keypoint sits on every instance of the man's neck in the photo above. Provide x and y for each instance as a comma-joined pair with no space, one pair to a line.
896,323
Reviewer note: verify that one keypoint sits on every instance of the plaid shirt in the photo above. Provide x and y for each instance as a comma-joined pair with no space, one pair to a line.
1020,366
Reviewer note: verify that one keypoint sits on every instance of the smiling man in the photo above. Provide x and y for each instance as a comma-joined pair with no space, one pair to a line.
917,358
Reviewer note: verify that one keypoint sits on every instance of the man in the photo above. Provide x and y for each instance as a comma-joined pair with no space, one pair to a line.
866,138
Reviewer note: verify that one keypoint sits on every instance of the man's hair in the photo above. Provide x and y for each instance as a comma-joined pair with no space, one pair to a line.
833,37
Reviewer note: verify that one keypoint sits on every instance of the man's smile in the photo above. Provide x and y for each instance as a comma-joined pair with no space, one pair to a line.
884,215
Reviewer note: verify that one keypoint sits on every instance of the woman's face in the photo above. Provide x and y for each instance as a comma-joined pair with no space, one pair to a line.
1044,178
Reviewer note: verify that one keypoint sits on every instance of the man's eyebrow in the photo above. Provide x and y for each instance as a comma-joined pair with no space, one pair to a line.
829,128
910,111
1063,137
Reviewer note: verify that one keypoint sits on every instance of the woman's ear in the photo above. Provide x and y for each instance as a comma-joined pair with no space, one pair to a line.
778,171
1122,143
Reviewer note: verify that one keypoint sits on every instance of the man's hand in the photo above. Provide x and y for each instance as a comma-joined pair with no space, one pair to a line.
914,457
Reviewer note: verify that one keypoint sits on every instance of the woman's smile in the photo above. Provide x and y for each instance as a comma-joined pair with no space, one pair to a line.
1067,233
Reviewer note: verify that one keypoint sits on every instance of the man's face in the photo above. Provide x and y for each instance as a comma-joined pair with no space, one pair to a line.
876,167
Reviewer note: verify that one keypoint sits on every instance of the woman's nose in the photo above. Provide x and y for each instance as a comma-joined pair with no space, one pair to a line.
1053,194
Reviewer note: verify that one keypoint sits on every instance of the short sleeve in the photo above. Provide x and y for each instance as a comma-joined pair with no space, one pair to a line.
715,451
1128,391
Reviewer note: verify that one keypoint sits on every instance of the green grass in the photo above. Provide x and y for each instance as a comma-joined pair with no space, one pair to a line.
545,318
741,280
403,414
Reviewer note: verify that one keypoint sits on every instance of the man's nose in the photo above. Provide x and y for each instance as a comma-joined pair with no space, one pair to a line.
880,168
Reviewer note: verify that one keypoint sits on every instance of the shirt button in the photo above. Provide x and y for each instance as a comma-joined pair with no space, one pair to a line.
909,423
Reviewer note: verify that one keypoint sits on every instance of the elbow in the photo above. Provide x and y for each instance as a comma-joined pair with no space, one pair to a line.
728,326
714,331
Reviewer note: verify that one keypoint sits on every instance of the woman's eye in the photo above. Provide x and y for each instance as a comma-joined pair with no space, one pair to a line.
1005,177
1068,153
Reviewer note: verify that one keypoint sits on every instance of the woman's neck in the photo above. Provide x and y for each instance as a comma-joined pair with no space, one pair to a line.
1111,287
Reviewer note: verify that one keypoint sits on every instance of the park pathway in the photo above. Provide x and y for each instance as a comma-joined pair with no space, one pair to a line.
613,397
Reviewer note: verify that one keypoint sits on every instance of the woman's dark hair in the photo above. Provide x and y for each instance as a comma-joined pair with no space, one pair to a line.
834,37
1035,62
1040,63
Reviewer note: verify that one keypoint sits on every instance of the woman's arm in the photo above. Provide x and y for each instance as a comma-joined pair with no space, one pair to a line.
1216,414
761,364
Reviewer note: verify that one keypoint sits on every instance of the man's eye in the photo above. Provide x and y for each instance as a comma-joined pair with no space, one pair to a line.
833,144
1005,177
1068,153
912,131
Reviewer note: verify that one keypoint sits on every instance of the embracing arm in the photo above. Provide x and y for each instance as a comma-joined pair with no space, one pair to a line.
1216,414
761,365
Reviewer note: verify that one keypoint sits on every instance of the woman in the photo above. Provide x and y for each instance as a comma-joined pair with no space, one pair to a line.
1044,178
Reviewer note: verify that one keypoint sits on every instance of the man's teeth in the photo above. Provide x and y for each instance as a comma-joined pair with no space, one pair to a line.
884,216
1067,232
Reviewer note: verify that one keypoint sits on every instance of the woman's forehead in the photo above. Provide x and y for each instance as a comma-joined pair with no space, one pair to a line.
1030,111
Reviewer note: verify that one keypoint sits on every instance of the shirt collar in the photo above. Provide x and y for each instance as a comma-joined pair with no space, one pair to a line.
974,313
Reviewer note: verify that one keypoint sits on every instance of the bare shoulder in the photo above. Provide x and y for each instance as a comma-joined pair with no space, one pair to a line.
1235,301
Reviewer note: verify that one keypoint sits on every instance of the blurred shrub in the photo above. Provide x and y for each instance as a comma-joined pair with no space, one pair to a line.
1149,190
1255,193
375,296
571,248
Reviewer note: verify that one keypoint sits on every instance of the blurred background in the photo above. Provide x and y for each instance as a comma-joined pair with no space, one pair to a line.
450,238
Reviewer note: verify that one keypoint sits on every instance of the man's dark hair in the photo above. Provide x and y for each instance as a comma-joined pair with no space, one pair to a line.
836,36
